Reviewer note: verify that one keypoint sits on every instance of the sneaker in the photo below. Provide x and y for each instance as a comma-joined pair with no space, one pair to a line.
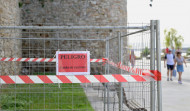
180,82
171,79
167,79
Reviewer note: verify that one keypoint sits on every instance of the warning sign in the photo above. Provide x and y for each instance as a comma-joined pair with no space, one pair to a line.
72,62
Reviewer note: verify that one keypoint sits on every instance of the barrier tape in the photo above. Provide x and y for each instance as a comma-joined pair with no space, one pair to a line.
143,75
127,68
41,79
155,74
40,59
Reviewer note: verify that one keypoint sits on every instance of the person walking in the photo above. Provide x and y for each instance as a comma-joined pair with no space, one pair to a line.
178,50
170,64
166,51
173,51
179,60
132,58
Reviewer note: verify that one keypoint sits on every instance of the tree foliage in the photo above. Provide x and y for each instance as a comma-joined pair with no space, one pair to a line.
178,41
188,51
172,39
145,52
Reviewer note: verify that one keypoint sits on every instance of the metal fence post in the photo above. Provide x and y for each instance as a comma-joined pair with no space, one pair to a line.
107,72
159,85
106,85
152,65
108,51
121,54
120,84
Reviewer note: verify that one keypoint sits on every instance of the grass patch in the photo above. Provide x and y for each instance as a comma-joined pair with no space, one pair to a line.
43,96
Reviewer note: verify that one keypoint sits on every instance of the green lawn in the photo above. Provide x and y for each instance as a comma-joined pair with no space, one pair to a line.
43,96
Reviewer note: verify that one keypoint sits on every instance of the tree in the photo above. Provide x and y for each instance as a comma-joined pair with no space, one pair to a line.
145,52
167,38
172,39
188,51
178,41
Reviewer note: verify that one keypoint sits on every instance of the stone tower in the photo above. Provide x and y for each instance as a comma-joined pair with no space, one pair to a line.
9,16
74,12
67,13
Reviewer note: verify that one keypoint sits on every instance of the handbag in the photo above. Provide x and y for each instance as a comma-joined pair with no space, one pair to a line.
174,73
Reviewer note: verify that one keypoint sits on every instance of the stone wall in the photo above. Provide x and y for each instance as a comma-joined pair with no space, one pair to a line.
69,13
9,15
74,12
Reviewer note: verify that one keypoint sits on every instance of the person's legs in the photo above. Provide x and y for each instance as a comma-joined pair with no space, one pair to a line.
168,72
171,73
132,63
180,74
180,70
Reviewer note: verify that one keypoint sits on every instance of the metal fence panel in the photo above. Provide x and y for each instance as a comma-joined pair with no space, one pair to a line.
43,43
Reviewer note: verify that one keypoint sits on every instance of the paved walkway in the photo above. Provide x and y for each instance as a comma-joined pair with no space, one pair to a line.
176,97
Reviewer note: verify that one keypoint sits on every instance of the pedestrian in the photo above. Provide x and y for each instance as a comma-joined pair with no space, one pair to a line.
179,60
132,58
166,51
173,51
170,64
178,50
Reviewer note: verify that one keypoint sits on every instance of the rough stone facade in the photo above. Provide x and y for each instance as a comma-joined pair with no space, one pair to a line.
68,13
74,12
9,15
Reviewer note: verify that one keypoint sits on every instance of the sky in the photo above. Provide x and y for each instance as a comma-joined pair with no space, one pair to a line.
171,13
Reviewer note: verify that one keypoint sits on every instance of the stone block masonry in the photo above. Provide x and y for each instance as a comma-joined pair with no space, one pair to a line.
66,13
10,15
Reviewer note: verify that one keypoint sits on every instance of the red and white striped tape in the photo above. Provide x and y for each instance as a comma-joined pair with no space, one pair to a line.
126,68
40,59
40,79
151,73
144,75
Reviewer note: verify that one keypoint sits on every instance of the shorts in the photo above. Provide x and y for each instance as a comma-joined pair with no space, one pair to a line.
180,68
170,67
